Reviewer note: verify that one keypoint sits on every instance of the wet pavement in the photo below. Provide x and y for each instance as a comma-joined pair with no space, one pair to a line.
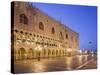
55,64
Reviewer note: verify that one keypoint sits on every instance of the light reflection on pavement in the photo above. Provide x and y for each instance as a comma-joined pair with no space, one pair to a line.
51,64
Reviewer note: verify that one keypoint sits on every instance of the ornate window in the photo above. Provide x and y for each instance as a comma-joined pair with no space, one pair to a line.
41,26
66,36
53,30
61,36
23,19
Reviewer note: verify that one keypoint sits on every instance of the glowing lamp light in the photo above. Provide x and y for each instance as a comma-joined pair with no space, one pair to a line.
35,48
69,50
40,49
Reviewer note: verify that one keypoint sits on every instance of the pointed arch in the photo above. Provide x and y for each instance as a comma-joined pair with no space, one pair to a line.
23,19
21,53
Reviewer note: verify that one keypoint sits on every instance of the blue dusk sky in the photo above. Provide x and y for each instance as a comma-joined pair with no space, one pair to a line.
82,19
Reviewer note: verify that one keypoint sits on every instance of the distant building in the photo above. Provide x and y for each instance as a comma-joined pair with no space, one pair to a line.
34,31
